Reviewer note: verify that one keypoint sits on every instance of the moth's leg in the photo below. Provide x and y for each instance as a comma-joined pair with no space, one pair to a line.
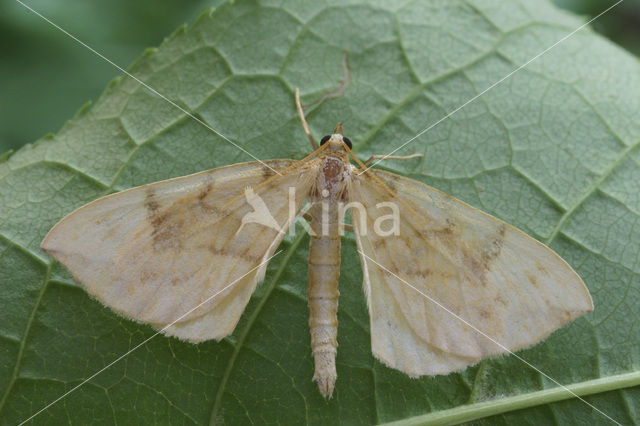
391,157
340,89
303,119
345,226
337,91
330,94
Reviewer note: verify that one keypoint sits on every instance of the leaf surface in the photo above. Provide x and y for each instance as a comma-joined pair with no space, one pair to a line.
552,150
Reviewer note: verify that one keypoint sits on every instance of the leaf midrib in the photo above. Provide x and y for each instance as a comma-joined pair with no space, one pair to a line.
494,407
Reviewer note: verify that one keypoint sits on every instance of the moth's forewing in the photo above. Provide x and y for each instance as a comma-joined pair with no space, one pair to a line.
154,252
490,275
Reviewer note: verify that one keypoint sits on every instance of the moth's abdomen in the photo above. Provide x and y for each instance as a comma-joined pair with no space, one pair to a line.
324,271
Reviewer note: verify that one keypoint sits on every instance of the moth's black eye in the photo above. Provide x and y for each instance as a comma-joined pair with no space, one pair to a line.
325,139
347,141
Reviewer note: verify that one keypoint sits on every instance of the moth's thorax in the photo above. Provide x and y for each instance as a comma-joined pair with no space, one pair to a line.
333,175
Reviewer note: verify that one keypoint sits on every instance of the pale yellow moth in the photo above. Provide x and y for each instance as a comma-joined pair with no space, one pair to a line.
155,252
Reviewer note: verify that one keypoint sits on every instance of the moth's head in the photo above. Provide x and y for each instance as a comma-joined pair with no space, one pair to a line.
335,140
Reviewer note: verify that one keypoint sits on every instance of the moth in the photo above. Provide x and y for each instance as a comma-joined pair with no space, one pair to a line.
155,252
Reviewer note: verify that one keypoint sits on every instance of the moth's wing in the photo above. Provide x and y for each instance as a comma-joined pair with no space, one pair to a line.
154,252
494,276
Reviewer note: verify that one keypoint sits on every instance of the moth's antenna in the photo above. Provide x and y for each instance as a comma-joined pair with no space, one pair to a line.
305,126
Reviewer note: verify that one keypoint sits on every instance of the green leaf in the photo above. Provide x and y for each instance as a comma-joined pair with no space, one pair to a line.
552,150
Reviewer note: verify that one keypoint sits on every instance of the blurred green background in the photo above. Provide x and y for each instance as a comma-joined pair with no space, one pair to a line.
45,76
